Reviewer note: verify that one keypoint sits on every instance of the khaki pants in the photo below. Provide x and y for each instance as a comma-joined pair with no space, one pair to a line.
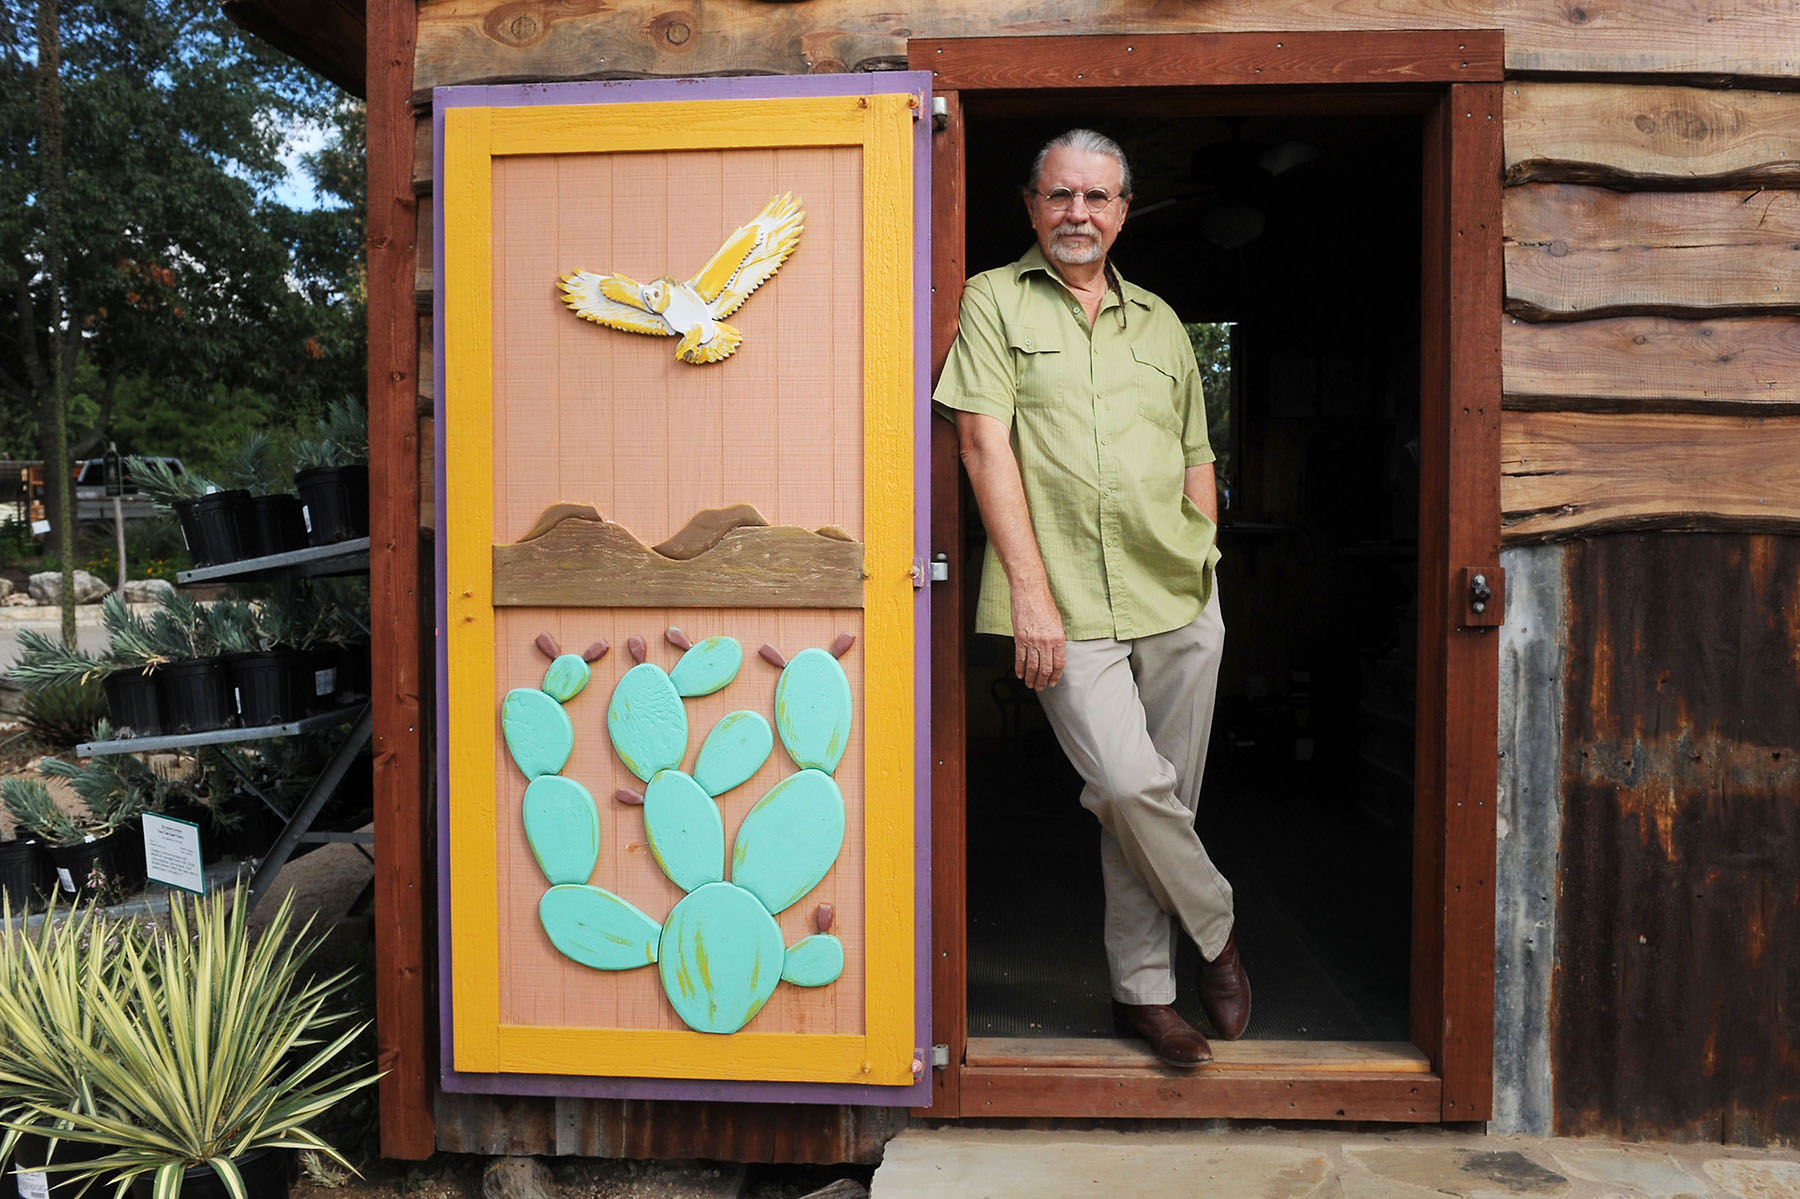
1134,718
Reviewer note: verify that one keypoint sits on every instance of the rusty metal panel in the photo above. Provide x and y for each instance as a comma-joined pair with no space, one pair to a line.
1677,988
538,1126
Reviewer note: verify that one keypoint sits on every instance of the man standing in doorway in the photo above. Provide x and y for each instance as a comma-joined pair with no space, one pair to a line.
1083,429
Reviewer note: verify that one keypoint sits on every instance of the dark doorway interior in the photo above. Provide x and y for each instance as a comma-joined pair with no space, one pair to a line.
1308,799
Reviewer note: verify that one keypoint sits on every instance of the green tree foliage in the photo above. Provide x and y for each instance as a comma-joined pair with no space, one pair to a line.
1212,350
191,293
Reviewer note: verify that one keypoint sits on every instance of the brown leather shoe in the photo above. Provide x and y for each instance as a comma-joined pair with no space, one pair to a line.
1225,991
1174,1041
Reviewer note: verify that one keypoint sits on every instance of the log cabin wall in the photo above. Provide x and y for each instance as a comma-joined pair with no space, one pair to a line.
1650,482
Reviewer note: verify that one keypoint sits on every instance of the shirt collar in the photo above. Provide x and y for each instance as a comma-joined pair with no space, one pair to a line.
1034,260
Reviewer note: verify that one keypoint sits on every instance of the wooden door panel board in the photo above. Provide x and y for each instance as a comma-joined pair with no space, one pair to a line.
1115,1053
405,1026
1639,363
1158,1091
949,736
1221,59
1570,473
1651,136
1472,683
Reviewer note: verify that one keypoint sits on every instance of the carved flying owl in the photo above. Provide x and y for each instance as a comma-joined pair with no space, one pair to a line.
695,309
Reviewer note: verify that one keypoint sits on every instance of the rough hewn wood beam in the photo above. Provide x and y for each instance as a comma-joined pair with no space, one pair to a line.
1564,474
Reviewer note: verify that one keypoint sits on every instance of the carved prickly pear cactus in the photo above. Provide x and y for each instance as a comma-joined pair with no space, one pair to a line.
720,952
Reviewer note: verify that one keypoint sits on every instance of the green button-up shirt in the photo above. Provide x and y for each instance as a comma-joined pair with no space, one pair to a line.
1105,422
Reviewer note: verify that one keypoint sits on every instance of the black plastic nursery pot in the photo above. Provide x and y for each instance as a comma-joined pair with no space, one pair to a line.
103,869
196,695
270,686
336,500
278,525
340,675
28,1156
25,877
132,705
267,1174
214,526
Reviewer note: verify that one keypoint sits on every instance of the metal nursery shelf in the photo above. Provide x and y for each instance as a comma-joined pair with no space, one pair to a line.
343,557
338,558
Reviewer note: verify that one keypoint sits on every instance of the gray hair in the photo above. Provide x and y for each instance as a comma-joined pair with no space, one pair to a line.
1087,141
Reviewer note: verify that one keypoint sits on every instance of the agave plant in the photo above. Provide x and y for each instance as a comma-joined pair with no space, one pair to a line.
35,811
209,1044
158,480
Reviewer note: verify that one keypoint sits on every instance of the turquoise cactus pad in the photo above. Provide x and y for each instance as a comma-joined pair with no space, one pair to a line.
593,926
720,958
567,677
687,835
812,710
647,721
735,749
814,961
789,840
537,730
563,827
708,666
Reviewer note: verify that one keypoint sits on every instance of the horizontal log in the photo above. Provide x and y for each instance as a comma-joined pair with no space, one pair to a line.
487,41
1652,362
1752,39
1651,136
1564,474
1581,252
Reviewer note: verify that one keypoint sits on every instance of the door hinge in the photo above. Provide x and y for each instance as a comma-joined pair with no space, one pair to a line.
940,1057
935,571
940,113
940,568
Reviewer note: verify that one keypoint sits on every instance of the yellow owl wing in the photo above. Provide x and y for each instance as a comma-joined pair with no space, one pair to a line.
611,300
750,256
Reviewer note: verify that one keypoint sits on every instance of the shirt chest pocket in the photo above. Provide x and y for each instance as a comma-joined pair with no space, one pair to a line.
1038,365
1156,387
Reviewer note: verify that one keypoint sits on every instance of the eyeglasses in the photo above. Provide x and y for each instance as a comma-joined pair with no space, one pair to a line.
1061,199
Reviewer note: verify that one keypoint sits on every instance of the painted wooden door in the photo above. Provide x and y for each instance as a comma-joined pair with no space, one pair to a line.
682,620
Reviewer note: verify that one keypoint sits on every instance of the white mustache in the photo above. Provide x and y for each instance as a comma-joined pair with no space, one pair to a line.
1082,230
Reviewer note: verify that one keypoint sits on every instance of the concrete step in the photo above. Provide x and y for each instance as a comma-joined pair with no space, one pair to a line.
1271,1163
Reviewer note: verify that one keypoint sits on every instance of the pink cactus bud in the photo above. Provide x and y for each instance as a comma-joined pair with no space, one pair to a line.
772,656
639,651
546,643
595,652
626,795
677,638
823,917
842,645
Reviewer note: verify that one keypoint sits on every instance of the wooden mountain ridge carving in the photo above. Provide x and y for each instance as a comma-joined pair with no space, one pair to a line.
723,558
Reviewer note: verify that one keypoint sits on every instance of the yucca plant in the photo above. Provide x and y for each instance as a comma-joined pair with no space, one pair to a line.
47,1028
63,714
210,1044
47,662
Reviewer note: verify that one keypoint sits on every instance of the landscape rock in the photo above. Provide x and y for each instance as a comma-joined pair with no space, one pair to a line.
6,587
843,1188
46,587
147,591
18,599
518,1178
